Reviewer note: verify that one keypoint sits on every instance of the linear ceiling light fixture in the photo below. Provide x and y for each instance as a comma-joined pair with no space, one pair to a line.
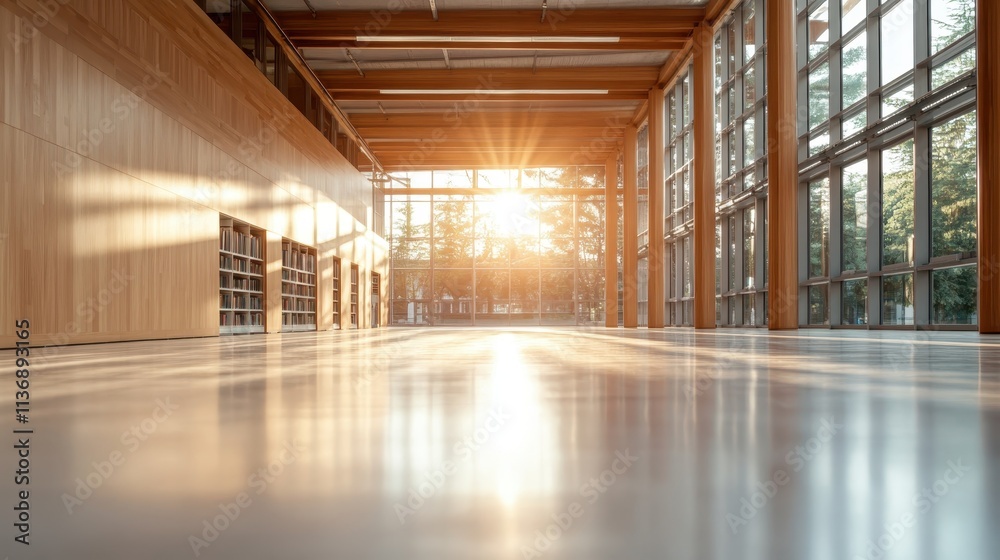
493,92
483,39
434,10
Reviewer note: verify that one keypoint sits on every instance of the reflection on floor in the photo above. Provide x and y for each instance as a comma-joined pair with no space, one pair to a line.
568,444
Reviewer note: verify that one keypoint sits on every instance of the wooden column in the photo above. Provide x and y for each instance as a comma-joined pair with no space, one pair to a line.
988,32
704,181
611,242
656,254
782,207
630,233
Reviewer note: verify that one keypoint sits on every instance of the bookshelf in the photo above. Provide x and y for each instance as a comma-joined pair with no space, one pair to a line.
298,287
241,277
354,296
336,292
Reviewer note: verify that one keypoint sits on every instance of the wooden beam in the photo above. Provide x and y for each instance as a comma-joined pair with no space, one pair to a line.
668,42
630,233
455,117
783,178
655,255
488,160
611,242
988,37
486,97
350,25
704,181
374,135
620,78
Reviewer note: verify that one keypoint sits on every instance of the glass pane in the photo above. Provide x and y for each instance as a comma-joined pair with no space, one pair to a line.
897,299
854,302
854,124
953,187
749,310
819,228
819,30
854,204
492,296
687,257
749,235
818,305
819,142
411,284
411,218
498,179
453,179
853,13
749,88
897,204
819,95
733,284
749,30
954,68
453,296
749,142
855,74
951,20
954,296
897,41
896,101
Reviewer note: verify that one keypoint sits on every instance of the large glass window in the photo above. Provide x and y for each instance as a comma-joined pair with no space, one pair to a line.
908,232
953,187
897,299
503,256
897,204
741,151
819,228
854,212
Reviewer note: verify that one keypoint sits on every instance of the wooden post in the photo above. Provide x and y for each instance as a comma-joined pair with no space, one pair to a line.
611,242
656,256
987,29
783,178
704,181
630,232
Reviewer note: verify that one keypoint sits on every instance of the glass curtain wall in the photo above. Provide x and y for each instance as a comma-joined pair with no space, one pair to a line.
678,222
887,142
642,184
741,167
499,247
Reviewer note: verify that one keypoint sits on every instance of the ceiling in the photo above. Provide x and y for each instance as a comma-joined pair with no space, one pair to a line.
436,84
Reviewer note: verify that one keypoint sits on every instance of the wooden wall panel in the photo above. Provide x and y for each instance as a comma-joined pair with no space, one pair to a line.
988,25
126,128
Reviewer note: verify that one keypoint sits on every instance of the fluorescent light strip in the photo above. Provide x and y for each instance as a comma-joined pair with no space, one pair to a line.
483,39
494,92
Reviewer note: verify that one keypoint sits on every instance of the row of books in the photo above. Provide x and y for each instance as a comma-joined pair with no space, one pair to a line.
241,243
298,290
227,282
241,319
301,277
289,304
227,262
251,284
241,301
292,258
290,319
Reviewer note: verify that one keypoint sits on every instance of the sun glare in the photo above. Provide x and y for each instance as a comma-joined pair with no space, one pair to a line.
509,213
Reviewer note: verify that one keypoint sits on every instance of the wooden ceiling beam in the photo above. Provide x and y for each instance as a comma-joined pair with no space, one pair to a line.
348,25
483,98
520,119
662,43
614,78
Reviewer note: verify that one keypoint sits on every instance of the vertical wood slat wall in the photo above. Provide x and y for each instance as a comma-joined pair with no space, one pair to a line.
126,128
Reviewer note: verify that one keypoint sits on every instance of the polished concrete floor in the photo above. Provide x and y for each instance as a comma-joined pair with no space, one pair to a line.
473,444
